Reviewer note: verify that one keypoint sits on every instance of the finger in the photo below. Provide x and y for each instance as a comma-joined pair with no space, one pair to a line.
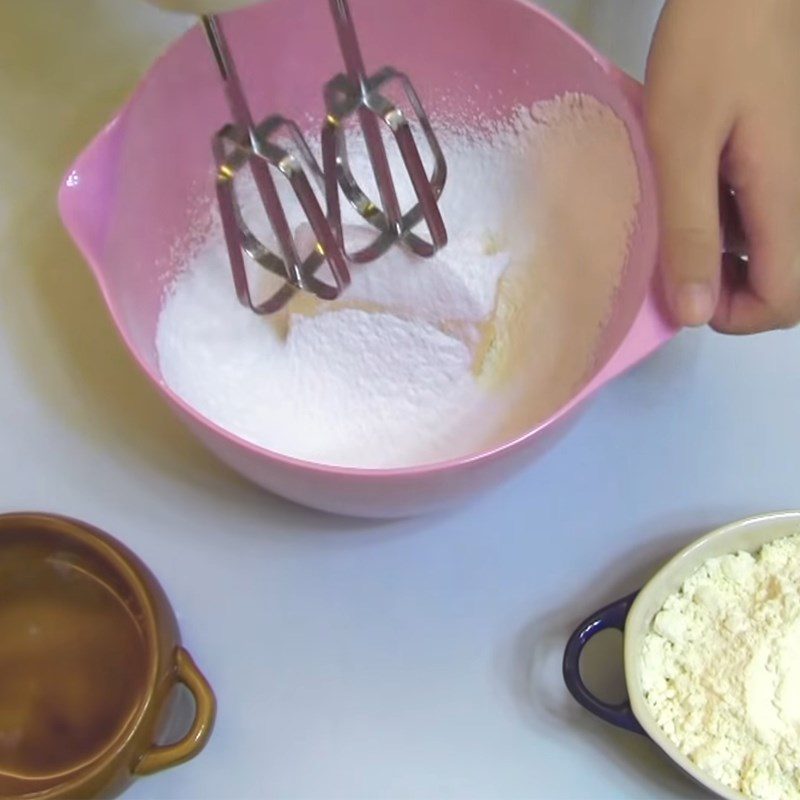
766,295
686,149
687,122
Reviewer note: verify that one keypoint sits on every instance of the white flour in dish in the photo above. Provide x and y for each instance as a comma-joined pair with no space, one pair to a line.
426,360
721,670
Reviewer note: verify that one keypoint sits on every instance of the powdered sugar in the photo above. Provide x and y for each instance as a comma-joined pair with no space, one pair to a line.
427,360
459,283
340,382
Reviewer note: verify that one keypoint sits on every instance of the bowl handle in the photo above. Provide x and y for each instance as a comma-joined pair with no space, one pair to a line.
653,326
733,234
160,757
612,616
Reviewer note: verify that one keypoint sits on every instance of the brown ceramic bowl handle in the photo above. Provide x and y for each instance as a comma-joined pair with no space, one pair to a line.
163,756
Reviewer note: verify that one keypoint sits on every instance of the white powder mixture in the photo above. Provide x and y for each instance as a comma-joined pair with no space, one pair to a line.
721,669
425,360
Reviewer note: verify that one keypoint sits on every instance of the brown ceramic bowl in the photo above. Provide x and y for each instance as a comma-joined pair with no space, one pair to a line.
89,657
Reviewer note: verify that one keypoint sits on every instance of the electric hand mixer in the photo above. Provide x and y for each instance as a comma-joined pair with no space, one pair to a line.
262,146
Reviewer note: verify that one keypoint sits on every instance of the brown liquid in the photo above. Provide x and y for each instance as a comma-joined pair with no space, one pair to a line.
73,664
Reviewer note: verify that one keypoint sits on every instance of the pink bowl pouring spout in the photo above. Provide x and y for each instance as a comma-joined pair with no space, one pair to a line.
127,197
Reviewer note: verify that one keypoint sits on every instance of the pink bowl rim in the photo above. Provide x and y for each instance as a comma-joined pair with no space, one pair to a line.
592,385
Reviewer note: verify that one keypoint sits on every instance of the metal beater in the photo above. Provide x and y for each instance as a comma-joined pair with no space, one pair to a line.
261,146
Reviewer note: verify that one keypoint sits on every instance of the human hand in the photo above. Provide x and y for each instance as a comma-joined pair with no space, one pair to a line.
723,99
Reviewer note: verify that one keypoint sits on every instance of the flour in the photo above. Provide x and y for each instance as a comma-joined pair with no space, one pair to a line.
425,360
721,670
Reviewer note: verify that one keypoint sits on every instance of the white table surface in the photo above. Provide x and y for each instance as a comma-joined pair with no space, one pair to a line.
414,659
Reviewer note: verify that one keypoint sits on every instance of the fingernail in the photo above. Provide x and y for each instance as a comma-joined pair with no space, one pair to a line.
695,302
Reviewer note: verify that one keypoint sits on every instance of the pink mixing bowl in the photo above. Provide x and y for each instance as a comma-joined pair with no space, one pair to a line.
128,195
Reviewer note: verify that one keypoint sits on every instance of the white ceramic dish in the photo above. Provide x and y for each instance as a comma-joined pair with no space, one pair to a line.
634,614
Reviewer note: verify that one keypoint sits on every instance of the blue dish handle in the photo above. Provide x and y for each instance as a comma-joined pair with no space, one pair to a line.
612,616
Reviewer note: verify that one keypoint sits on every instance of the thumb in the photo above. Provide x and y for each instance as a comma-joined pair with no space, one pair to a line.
687,168
687,129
